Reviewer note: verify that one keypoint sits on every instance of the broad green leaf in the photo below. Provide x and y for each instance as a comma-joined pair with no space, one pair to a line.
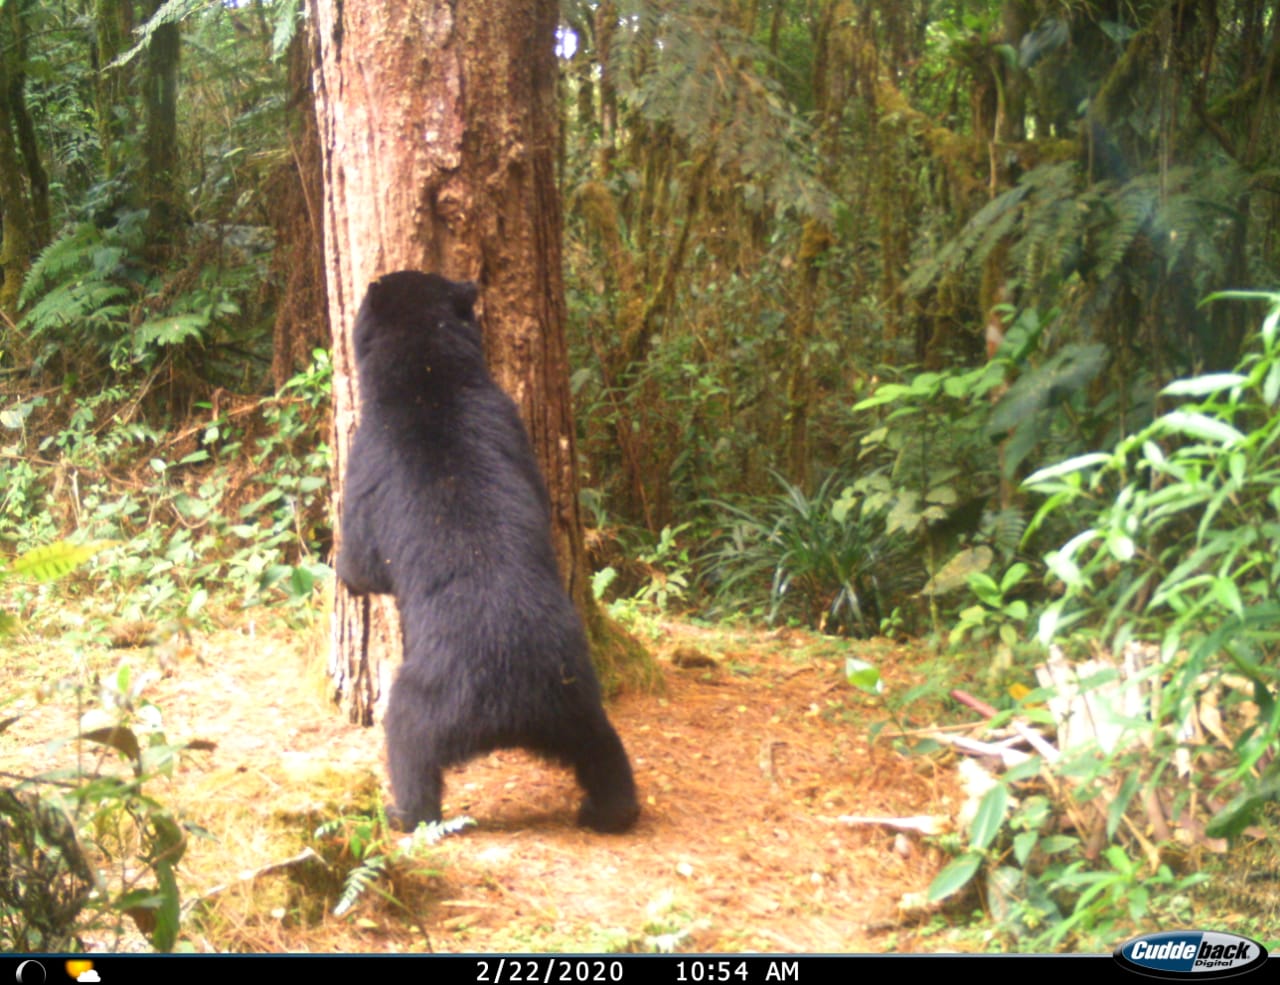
956,572
1228,595
985,587
990,817
955,876
1243,810
1017,571
1120,545
301,582
1066,372
886,393
926,384
864,676
1058,843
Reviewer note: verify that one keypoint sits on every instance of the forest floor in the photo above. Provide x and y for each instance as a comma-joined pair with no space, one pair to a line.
744,769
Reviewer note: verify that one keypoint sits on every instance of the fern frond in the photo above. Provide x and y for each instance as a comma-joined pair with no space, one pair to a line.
173,330
358,882
994,234
53,561
1007,527
1130,211
98,303
170,12
1050,237
71,253
972,244
690,73
1182,221
432,832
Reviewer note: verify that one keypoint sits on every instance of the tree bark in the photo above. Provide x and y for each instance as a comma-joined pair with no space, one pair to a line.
439,124
113,25
160,142
19,225
24,125
296,197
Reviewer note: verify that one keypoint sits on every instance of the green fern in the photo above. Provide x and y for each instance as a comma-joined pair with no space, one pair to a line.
173,330
375,847
1053,211
358,881
1180,221
74,291
973,244
53,561
170,12
72,254
1005,529
689,73
1129,212
91,306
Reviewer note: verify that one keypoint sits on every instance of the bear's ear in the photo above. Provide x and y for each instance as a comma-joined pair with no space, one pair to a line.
464,298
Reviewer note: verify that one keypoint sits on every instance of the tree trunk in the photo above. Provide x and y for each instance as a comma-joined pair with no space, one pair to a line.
815,241
295,201
24,125
438,124
160,143
19,228
113,25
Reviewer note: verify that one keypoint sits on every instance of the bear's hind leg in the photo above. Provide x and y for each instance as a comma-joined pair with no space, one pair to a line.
412,759
604,773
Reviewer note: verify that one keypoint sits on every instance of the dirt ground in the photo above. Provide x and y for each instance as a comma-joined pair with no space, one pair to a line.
744,770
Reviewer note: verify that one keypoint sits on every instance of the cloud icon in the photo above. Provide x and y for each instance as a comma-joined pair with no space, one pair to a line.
89,976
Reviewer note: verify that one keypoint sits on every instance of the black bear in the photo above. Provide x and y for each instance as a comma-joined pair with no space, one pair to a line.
445,508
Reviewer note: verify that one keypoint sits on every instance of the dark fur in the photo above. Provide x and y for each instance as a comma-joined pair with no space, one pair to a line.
445,509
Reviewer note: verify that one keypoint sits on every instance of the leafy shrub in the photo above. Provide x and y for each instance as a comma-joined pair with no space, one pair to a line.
820,559
659,577
929,469
948,443
238,503
83,848
1182,549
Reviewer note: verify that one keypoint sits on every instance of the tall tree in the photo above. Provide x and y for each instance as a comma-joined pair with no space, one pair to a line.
160,139
112,83
439,129
294,196
20,235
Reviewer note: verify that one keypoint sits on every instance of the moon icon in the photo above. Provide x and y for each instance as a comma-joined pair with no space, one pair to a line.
31,973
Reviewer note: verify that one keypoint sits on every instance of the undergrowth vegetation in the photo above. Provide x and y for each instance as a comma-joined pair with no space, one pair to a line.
1167,736
235,505
89,851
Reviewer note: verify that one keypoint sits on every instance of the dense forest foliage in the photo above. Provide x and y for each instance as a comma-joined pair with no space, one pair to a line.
842,276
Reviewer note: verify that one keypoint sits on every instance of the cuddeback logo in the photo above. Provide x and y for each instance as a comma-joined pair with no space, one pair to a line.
1196,954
